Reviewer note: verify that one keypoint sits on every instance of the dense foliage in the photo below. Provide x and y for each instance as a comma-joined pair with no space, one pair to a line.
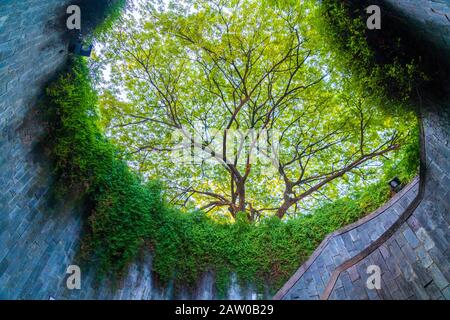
98,16
381,62
86,161
112,14
128,215
213,72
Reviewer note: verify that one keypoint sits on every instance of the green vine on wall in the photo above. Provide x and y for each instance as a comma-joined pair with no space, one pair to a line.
378,60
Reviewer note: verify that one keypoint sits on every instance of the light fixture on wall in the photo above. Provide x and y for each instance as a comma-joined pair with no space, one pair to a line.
395,184
79,49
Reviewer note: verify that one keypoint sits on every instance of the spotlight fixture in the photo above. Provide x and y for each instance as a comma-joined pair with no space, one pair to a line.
395,184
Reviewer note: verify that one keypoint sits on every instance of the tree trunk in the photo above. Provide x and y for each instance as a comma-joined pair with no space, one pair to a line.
284,208
241,195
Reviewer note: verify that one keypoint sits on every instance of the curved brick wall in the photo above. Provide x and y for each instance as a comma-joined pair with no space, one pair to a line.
31,246
415,260
310,280
414,252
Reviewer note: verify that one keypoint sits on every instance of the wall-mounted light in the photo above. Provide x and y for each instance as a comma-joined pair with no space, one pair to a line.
395,184
78,49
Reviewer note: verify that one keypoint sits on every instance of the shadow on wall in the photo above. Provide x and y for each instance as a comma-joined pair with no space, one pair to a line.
423,39
409,33
93,13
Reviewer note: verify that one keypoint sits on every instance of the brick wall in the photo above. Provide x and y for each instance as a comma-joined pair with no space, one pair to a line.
415,260
429,19
31,51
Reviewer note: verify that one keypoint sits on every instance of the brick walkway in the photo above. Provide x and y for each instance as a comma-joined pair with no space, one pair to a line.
310,280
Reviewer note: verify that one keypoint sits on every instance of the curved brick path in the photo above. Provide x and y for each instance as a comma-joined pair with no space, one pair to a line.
310,280
38,240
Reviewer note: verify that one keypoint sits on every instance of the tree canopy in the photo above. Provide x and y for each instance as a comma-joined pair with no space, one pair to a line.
237,108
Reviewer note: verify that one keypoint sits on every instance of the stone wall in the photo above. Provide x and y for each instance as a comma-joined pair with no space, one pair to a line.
32,250
427,19
414,252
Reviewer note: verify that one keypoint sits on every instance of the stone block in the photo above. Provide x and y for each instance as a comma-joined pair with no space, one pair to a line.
438,278
410,238
428,243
